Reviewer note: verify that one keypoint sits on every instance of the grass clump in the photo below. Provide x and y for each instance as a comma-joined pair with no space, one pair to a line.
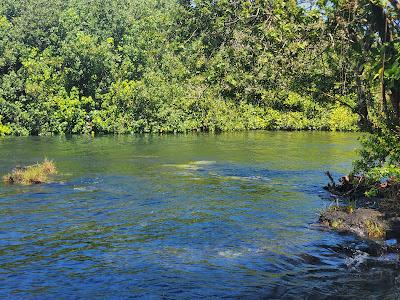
34,174
374,229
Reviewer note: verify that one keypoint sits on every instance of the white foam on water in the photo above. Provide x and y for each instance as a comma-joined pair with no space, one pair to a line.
230,253
357,260
85,188
203,162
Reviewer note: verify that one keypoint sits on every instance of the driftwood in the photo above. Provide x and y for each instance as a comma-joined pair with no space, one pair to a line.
357,186
347,186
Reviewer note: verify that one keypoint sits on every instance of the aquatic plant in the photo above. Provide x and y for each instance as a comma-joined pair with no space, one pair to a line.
33,174
375,229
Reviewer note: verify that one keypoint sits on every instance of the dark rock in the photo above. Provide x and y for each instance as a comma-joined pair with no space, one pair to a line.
364,222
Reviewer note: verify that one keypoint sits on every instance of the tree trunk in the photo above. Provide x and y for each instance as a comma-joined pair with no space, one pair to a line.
381,22
362,106
395,100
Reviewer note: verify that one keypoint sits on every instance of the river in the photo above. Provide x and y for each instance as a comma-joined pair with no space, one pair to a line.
182,216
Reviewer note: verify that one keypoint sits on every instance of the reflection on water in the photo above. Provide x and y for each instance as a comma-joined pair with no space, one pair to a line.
183,216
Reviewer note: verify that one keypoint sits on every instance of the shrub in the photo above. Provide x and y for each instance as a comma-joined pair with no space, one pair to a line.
4,130
379,156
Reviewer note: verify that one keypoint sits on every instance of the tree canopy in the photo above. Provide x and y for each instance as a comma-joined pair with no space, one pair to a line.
124,66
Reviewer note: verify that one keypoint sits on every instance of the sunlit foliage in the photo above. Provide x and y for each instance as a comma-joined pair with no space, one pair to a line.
124,66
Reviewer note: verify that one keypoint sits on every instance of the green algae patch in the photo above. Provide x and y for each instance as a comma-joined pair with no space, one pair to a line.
33,174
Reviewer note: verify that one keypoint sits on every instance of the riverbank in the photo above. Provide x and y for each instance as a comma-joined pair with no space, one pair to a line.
368,210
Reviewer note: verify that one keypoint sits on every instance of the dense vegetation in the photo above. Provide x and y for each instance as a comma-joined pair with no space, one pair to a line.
123,66
373,30
120,66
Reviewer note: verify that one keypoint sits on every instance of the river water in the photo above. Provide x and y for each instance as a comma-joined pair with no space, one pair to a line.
182,217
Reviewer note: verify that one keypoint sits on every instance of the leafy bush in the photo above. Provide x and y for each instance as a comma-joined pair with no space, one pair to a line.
342,119
4,130
380,156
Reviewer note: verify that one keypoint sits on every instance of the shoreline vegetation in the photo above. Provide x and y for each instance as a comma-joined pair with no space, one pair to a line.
33,174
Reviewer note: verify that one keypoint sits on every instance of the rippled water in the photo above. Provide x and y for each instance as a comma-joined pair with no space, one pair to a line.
187,216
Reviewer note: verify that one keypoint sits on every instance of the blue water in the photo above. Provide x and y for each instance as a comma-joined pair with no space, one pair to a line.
182,217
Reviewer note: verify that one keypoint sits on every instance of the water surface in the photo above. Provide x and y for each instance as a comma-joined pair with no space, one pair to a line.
186,216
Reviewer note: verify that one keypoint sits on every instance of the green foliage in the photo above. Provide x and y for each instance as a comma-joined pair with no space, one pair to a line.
122,66
4,130
342,118
380,156
369,35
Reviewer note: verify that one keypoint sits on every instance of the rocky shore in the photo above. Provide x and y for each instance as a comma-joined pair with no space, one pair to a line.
370,215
